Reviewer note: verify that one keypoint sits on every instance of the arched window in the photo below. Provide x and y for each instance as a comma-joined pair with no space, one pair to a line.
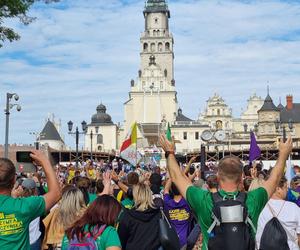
152,47
145,47
218,111
158,32
99,139
160,47
167,46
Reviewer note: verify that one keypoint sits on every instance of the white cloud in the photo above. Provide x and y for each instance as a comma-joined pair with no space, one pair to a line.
87,51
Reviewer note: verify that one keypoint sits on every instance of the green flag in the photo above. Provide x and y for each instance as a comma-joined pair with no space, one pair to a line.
168,133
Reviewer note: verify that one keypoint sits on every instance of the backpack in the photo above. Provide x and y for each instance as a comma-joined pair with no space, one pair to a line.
274,235
231,227
88,242
167,234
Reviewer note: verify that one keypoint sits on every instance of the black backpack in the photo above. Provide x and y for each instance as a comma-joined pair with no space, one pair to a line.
167,234
231,228
274,236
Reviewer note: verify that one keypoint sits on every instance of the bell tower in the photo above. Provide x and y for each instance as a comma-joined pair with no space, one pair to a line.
157,39
152,96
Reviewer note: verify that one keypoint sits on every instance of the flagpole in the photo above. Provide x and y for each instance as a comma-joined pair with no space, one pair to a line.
136,153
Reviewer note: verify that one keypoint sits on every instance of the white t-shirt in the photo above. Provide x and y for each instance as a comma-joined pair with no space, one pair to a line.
289,218
34,230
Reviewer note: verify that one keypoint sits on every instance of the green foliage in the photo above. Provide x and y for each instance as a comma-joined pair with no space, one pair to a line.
15,9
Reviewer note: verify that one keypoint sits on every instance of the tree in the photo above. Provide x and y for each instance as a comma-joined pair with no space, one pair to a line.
15,9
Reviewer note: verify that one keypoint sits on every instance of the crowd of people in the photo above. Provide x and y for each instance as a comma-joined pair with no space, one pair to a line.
112,206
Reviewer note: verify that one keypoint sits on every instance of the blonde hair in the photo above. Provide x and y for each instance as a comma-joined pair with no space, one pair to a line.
142,197
256,183
71,207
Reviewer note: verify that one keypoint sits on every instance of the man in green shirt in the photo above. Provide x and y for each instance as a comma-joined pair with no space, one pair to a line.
17,213
229,177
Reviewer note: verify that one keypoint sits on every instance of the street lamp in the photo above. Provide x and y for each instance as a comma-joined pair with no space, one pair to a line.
9,106
245,128
282,128
77,133
255,128
91,134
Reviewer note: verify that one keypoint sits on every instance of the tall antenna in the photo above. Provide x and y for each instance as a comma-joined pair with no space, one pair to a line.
268,88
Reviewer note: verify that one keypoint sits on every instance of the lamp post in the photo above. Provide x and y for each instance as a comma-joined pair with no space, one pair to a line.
9,106
91,134
281,128
256,128
77,133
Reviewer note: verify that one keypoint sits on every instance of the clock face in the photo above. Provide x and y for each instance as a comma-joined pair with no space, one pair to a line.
220,135
206,135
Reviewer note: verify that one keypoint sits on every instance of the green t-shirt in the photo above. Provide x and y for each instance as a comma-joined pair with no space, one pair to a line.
92,197
109,238
15,217
201,202
127,203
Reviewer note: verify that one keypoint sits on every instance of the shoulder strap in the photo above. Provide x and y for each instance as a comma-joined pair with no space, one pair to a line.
272,210
216,197
242,197
164,217
100,231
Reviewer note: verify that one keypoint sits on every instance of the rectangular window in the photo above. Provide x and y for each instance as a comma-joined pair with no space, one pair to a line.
184,135
196,135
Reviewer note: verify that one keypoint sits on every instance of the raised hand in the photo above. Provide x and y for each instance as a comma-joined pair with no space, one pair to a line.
285,148
107,178
166,144
39,158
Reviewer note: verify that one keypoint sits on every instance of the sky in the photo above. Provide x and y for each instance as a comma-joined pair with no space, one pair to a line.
79,53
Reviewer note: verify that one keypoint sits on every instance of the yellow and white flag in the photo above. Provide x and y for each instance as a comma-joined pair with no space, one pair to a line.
128,149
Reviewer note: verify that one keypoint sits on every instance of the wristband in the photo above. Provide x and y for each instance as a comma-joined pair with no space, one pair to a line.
167,153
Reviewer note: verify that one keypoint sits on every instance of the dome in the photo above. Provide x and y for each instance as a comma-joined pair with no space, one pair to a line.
101,117
101,108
